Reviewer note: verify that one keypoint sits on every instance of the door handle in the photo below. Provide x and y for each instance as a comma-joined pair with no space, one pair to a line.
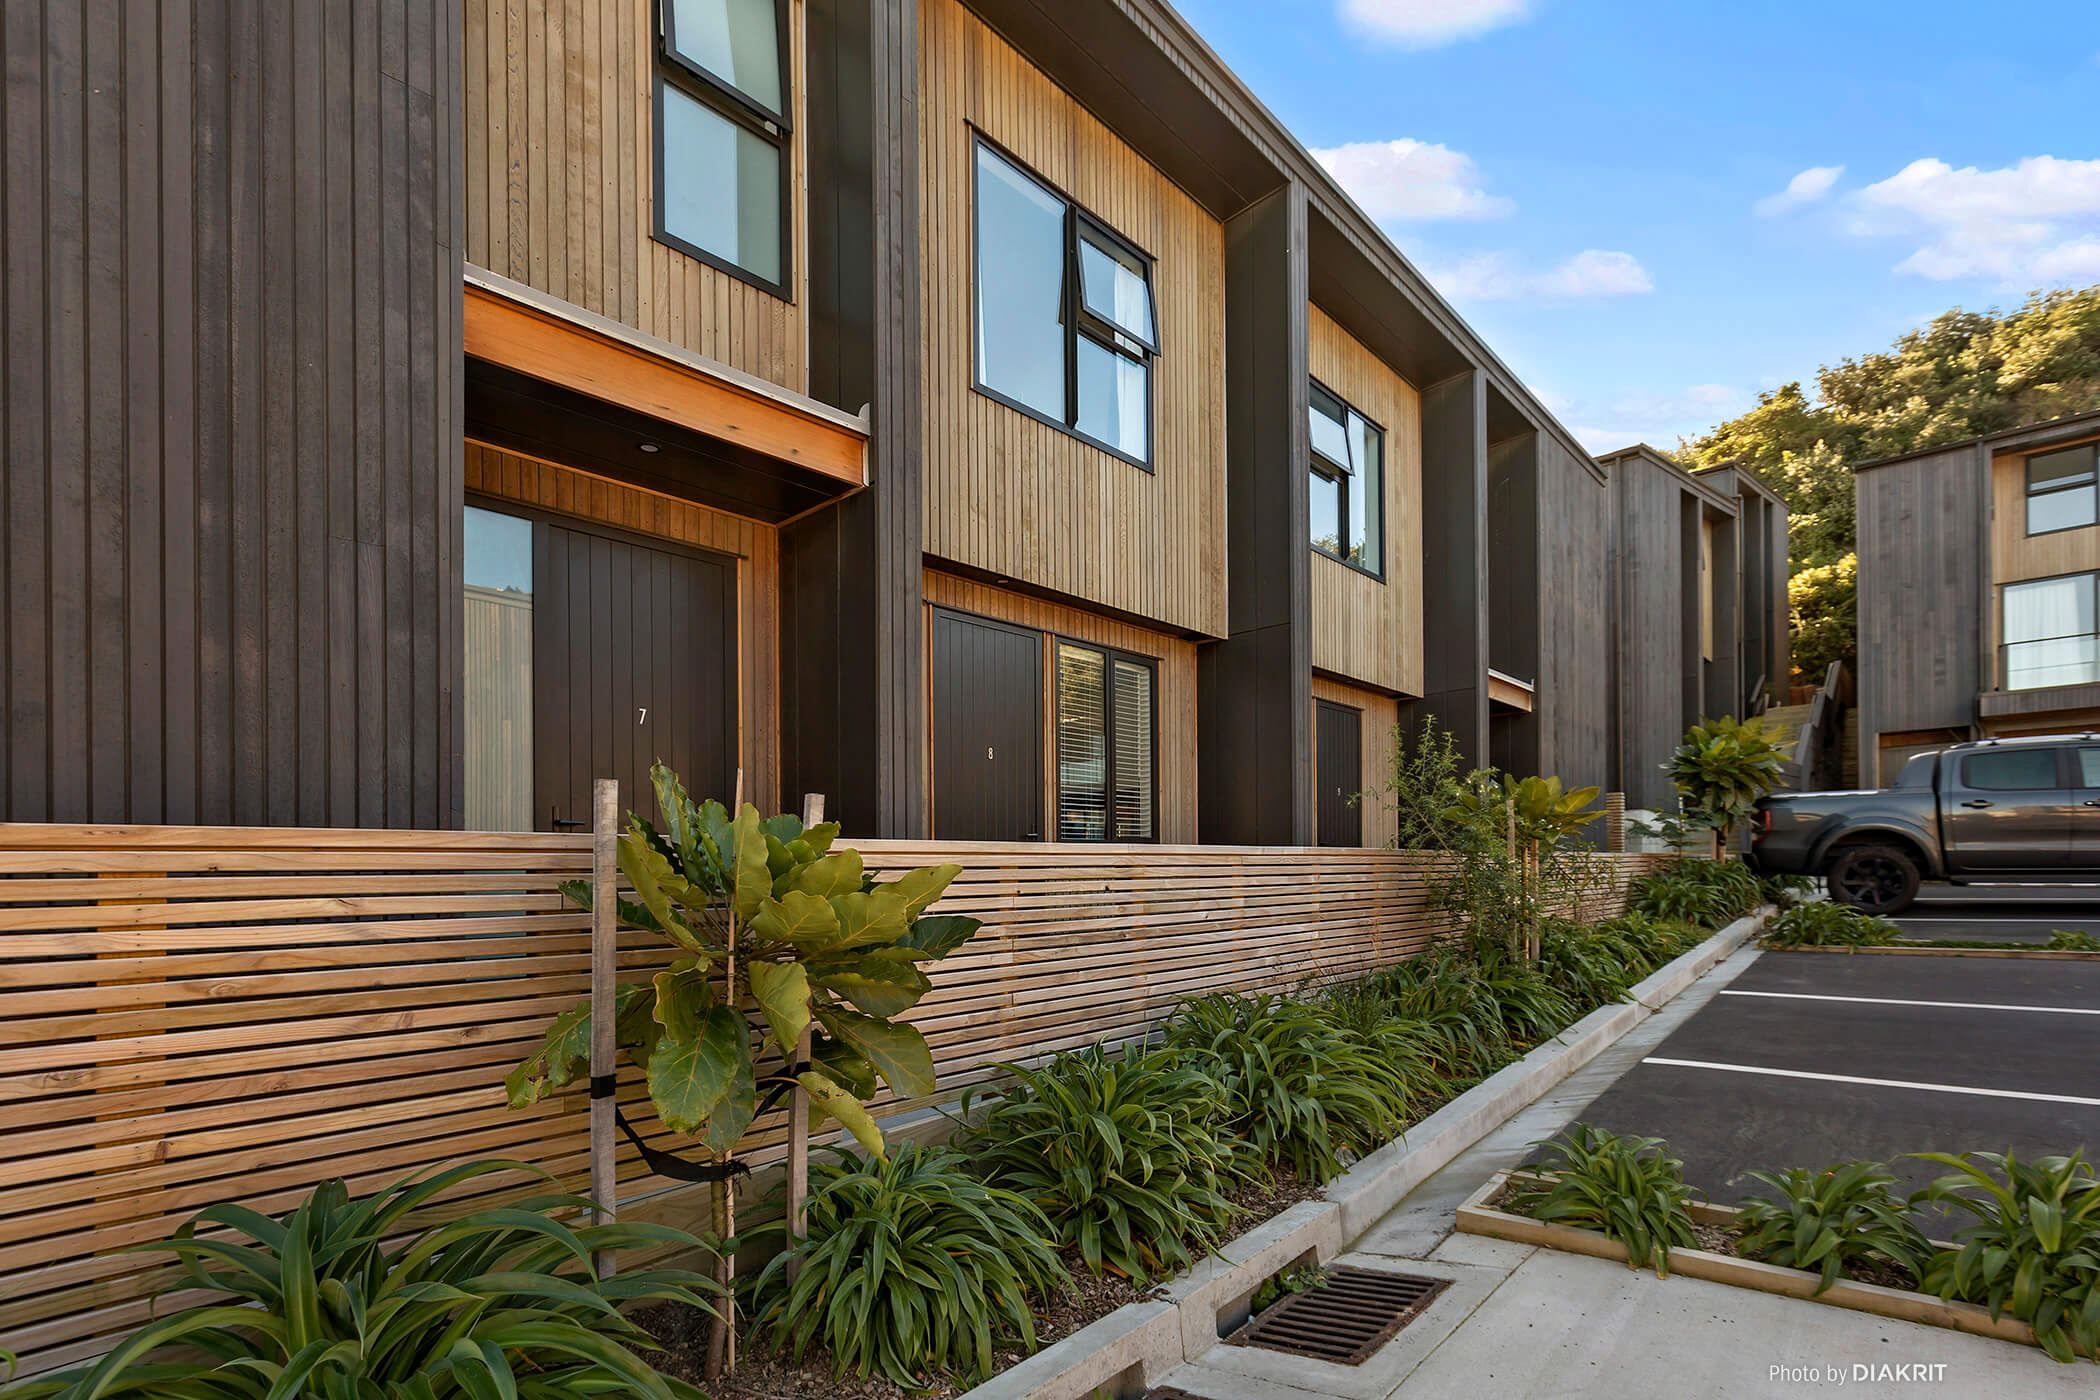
559,822
1977,802
2092,802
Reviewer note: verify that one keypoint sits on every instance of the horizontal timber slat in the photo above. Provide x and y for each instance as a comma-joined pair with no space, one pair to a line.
195,1014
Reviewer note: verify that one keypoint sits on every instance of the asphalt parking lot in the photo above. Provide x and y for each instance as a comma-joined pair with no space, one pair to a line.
1811,1058
2001,913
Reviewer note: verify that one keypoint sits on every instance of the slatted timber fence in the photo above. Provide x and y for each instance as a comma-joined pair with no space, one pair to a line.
190,1015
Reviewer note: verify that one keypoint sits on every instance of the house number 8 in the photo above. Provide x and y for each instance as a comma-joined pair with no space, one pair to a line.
987,750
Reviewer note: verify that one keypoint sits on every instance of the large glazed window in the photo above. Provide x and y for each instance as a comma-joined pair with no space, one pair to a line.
1347,484
1065,325
2061,489
722,136
498,692
2049,633
1107,735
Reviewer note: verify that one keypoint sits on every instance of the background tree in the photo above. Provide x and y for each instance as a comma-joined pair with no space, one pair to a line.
1965,374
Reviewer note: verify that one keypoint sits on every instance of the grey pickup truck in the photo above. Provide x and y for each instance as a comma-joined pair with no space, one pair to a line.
2001,809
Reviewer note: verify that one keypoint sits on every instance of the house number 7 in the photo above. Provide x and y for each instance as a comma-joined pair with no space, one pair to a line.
644,719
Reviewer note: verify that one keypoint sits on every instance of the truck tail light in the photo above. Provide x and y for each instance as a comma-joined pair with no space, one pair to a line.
1764,823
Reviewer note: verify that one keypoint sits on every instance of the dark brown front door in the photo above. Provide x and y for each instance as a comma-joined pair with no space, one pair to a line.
987,705
634,660
1340,771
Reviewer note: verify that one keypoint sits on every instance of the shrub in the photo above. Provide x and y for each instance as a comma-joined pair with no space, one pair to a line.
1593,968
1708,893
1438,994
1532,1008
1299,1088
1785,891
1723,767
1832,1221
331,1299
2072,940
1120,1150
911,1266
1628,1188
1821,924
2035,1249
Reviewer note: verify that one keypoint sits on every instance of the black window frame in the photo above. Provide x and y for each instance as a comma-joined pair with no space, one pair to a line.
1109,656
1073,317
2029,494
1341,474
742,110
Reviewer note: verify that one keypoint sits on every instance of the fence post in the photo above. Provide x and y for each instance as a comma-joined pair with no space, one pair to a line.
1615,822
605,953
798,1102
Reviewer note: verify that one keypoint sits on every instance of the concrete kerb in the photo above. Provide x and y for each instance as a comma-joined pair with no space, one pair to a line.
1133,1347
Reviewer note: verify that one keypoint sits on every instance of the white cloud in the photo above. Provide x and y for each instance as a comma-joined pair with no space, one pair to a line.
1589,274
1806,188
2037,222
1428,24
1658,419
1408,179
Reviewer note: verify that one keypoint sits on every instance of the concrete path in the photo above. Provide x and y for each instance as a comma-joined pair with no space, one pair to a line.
1520,1322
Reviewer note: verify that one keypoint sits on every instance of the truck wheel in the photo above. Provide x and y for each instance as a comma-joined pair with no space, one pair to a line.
1874,879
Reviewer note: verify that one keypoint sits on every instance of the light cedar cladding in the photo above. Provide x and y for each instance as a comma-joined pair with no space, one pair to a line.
1367,629
559,490
1381,716
1175,696
1018,498
2017,555
560,185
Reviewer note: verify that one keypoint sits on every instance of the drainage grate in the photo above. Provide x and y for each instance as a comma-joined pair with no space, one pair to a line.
1355,1314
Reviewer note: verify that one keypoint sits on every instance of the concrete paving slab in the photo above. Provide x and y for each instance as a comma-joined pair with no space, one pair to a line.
1480,1250
1566,1326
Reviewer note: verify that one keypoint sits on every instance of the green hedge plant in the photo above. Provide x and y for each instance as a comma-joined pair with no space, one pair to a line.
1297,1086
1709,893
1832,1222
1121,1150
344,1297
1723,767
1821,924
912,1268
1629,1189
2034,1249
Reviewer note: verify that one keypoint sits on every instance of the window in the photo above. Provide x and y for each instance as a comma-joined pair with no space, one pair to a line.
2010,770
1107,779
1064,326
1706,589
497,699
1348,484
2049,633
722,134
2089,768
2060,489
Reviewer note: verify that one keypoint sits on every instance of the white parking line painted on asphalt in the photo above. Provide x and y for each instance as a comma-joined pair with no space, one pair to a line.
1874,1083
1902,1001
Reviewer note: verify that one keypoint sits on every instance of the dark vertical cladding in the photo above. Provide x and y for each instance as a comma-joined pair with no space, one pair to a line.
231,412
1515,597
853,701
1254,689
1576,638
1454,563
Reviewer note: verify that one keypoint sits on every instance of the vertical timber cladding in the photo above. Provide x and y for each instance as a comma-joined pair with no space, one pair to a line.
560,181
1574,697
231,371
1370,629
1174,700
527,481
1380,745
1018,498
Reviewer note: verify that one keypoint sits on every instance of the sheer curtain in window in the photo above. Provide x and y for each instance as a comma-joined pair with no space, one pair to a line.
2049,633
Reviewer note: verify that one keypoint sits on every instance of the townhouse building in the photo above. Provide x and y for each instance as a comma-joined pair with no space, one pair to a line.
982,412
1977,569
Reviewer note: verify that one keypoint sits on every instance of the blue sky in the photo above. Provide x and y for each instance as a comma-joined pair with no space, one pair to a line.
1653,210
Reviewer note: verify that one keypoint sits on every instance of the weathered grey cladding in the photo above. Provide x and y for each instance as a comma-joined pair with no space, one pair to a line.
1921,588
1513,570
231,371
1649,542
1254,689
1575,642
1454,564
852,682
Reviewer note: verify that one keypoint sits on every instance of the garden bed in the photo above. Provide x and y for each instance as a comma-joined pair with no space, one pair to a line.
1716,1227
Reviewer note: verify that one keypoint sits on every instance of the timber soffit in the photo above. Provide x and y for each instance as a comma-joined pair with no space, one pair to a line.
1285,154
2076,425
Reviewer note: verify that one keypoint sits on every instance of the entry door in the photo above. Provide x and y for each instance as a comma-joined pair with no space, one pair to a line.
1340,771
634,660
987,707
2009,809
